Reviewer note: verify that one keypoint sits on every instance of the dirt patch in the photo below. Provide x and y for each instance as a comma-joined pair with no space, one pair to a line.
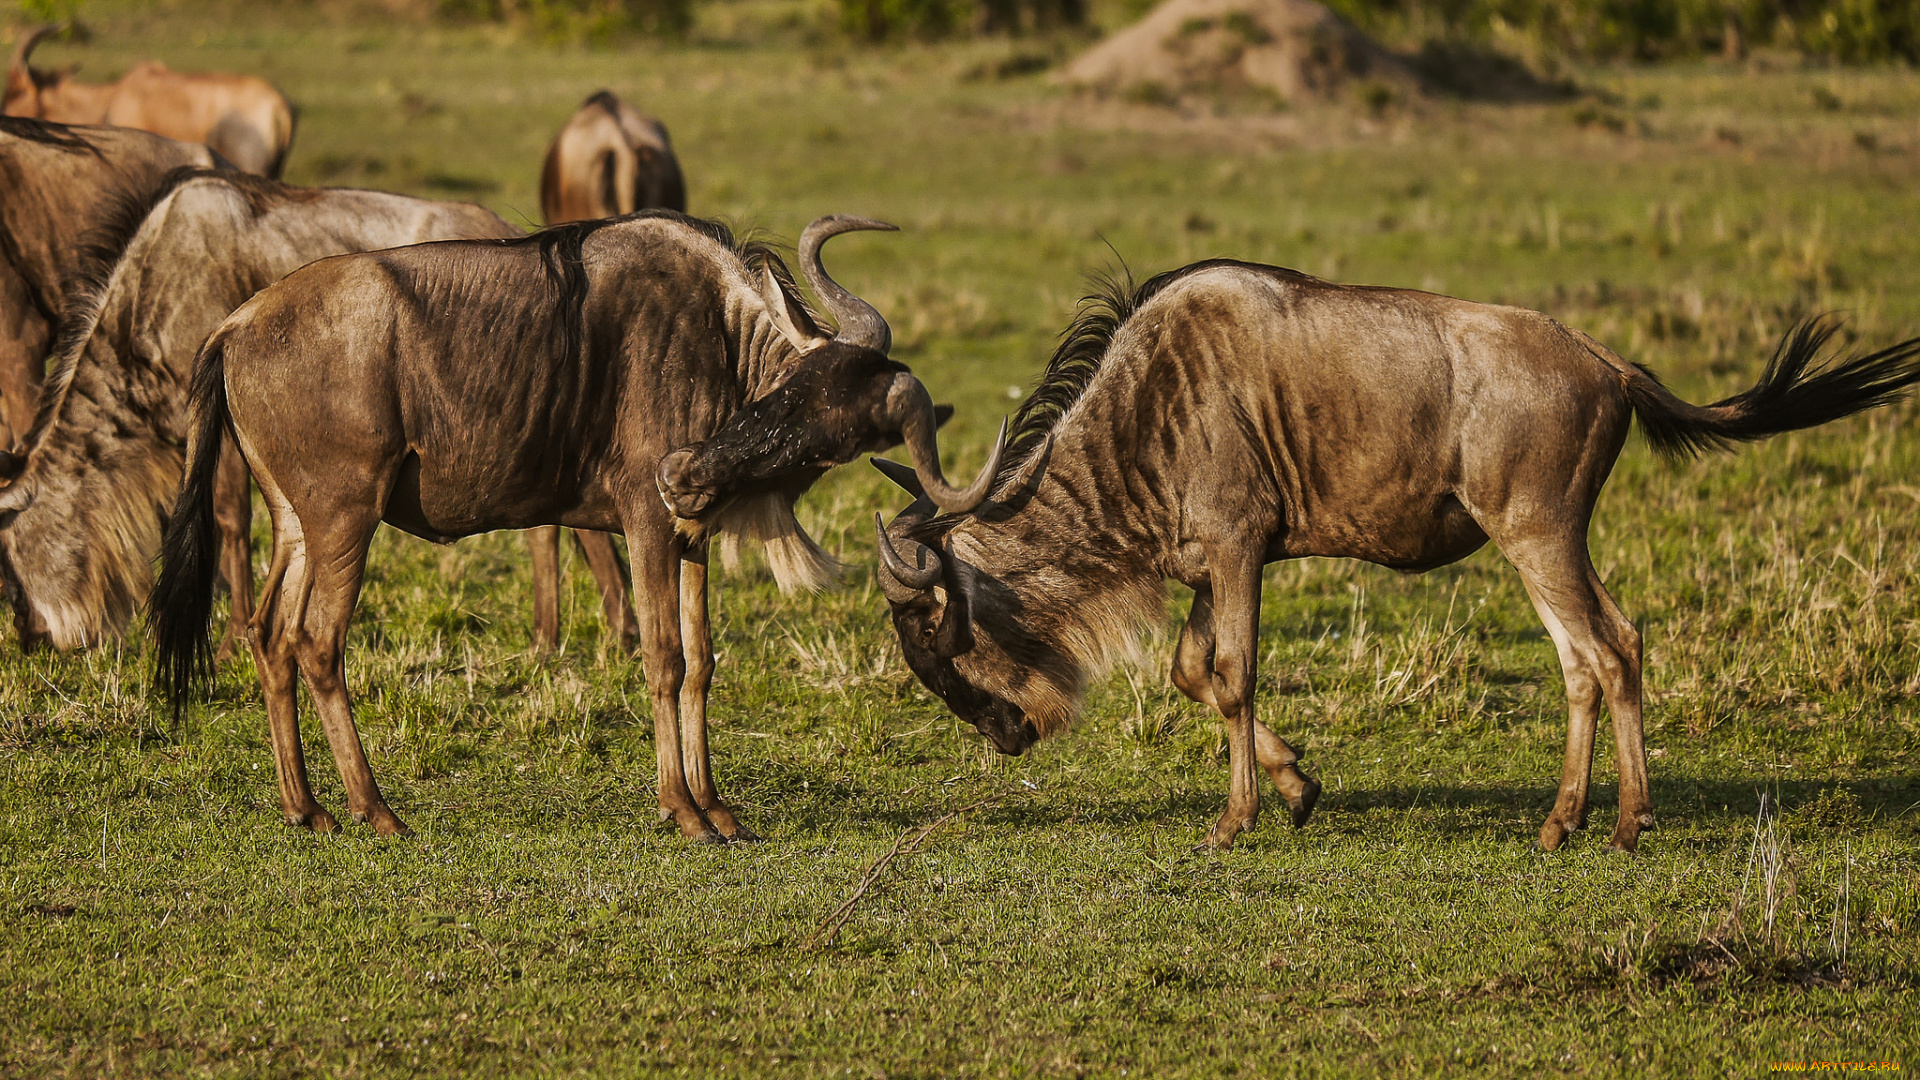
1296,51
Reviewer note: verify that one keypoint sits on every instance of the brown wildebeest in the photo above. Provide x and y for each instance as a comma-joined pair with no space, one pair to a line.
455,388
59,188
80,523
1229,415
244,119
608,160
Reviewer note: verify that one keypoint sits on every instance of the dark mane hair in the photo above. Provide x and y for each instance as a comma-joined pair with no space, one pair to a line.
95,255
1083,345
46,133
560,251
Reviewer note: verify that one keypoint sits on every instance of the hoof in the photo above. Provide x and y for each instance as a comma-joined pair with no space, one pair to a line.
1220,838
1553,834
723,822
383,821
318,820
1302,807
1626,835
388,825
693,826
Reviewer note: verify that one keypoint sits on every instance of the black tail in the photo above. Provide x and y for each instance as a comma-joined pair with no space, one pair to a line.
181,607
1794,392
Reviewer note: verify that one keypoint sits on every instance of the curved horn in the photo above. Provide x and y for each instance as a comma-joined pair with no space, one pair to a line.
902,580
25,49
911,408
859,323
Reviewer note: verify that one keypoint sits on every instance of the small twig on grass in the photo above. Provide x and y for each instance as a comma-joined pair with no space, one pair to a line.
829,927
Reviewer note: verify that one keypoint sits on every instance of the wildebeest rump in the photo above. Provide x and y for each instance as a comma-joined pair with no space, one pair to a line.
459,387
244,119
63,193
608,160
1228,415
80,524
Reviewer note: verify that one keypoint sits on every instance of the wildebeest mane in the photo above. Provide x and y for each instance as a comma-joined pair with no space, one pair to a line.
560,252
47,134
1113,299
95,256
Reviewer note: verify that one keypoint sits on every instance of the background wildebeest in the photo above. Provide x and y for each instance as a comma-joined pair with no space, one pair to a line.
456,388
244,119
59,188
80,524
1228,415
608,160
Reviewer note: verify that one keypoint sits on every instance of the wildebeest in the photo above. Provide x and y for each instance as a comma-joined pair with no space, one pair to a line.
455,388
609,159
1228,415
243,118
59,189
80,524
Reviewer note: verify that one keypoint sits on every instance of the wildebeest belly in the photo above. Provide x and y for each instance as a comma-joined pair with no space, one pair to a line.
1412,534
443,505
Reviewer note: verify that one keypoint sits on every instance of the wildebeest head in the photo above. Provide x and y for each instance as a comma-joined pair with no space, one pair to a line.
845,398
964,632
72,588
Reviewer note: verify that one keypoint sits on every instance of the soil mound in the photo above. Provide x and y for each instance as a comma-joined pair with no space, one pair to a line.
1297,50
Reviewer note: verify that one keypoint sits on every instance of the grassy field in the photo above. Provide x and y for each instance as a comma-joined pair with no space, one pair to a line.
157,918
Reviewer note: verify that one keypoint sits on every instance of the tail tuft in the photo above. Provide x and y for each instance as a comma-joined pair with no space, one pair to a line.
181,605
1795,391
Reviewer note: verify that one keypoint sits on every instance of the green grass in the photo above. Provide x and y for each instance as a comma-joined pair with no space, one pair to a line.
156,917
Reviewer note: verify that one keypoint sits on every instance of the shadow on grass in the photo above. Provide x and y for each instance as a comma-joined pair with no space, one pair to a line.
1682,802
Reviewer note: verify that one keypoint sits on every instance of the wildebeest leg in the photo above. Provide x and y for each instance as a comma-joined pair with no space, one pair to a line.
233,509
1236,589
656,588
1193,674
544,544
1600,656
610,573
696,637
271,637
336,541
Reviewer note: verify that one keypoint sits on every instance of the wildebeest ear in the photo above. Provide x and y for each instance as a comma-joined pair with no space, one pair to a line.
788,315
942,414
902,475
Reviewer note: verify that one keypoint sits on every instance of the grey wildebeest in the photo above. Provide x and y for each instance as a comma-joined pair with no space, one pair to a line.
243,118
59,188
1228,415
80,523
608,160
455,388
